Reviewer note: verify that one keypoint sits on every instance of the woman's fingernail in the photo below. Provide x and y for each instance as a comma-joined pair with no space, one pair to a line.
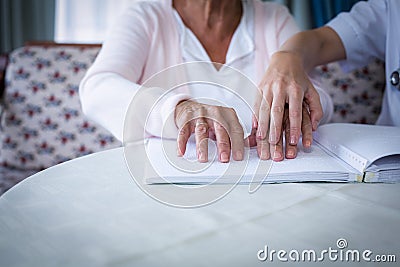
290,153
224,157
277,155
307,143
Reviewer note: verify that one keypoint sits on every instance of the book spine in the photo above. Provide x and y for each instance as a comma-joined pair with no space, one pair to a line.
370,177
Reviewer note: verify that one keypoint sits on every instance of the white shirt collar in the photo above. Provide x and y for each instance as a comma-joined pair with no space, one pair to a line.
241,45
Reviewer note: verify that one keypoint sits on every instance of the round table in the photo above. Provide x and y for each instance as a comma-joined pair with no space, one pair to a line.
90,212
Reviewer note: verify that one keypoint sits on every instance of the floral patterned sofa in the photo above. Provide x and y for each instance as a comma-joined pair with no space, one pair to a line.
42,123
357,95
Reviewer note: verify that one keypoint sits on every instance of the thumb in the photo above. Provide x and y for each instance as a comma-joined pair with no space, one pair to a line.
314,105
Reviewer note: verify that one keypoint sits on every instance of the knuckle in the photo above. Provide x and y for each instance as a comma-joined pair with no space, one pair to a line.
265,107
295,129
183,131
201,128
296,90
277,109
295,113
276,85
263,142
187,111
223,143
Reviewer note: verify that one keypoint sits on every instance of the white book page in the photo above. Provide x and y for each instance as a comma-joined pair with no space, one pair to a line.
166,167
385,164
357,144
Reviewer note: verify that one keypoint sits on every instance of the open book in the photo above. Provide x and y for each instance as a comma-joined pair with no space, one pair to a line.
341,153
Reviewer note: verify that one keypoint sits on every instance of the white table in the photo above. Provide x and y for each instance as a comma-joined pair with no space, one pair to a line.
90,212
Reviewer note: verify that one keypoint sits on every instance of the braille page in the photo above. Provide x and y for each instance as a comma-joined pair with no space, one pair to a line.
166,167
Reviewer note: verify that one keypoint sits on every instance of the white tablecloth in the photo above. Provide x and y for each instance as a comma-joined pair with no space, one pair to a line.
90,212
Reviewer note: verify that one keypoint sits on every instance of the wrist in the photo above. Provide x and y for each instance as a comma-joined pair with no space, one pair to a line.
291,55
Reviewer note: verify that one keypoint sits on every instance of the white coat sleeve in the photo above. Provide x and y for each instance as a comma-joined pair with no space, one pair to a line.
363,32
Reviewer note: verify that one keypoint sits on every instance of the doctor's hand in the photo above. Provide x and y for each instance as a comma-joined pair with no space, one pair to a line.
276,151
285,83
207,121
291,149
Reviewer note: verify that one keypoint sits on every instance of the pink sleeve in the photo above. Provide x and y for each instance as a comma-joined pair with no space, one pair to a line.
107,97
111,83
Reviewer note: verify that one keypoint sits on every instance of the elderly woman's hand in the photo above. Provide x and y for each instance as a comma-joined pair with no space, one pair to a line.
207,121
285,83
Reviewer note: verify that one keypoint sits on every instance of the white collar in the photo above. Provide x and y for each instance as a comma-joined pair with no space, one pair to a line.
241,45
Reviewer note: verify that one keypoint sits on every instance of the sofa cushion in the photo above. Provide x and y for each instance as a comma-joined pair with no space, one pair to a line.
42,124
357,95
